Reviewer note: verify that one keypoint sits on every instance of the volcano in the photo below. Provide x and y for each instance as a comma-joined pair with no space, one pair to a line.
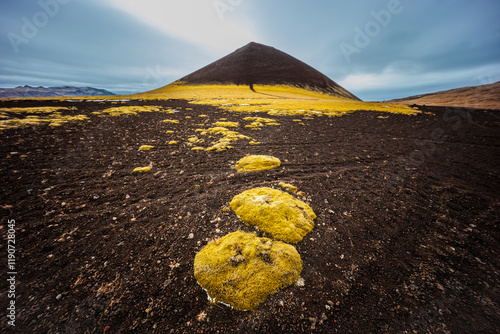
257,64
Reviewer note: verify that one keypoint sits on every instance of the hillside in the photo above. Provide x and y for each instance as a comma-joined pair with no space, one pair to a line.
257,64
484,96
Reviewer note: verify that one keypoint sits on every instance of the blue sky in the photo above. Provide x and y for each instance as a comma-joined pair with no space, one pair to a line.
377,49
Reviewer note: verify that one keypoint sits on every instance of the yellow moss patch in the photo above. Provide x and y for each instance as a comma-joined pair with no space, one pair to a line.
253,142
142,169
171,121
255,125
55,119
201,131
288,187
260,119
220,147
223,144
131,110
242,270
202,115
260,122
197,148
146,148
42,115
275,212
170,132
192,139
170,111
36,110
227,124
252,163
173,142
281,100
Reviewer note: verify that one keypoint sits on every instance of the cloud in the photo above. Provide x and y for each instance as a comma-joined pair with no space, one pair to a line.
89,43
137,45
394,80
203,22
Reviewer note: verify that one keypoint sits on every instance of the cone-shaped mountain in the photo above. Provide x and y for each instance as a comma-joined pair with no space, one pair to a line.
257,64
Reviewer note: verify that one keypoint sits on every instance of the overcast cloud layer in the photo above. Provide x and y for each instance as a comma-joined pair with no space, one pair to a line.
377,49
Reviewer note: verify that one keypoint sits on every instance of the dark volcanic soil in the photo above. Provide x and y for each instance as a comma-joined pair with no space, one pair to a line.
406,239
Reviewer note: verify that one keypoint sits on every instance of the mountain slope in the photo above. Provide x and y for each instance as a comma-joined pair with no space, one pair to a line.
28,91
257,64
485,96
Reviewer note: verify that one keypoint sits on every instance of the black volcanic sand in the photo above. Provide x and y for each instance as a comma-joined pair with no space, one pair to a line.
406,239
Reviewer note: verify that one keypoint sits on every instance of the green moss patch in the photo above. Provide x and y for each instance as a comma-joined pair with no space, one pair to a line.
252,163
242,270
275,212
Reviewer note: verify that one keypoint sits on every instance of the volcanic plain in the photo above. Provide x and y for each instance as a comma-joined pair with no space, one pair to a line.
406,238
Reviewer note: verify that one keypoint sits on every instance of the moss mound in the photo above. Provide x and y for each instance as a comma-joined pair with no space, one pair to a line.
242,270
252,163
275,212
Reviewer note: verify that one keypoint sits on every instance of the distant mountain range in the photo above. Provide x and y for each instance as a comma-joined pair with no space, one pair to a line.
484,96
28,91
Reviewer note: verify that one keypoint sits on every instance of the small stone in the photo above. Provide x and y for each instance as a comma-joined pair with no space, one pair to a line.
235,260
191,236
300,282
